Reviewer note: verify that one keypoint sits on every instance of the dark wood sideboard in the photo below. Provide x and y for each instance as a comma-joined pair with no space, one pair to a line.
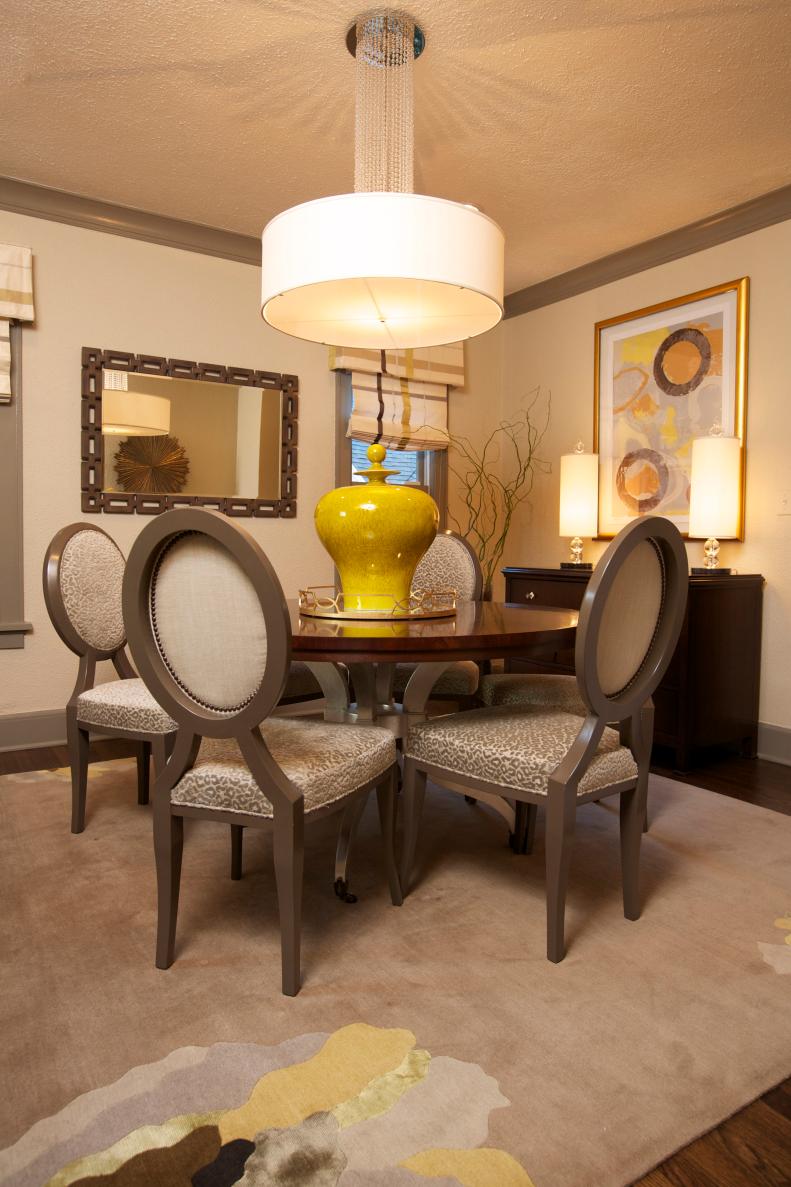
709,694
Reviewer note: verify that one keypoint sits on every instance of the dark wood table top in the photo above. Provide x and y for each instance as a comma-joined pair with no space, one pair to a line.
478,630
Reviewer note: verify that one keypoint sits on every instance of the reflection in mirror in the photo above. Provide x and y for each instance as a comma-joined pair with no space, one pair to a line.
190,437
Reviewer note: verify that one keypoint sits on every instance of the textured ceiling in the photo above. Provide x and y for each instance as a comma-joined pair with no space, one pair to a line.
582,127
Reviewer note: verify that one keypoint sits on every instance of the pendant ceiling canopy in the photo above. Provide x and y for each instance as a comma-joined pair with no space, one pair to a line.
383,267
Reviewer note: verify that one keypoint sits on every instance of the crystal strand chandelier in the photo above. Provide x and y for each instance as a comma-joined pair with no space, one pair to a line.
383,267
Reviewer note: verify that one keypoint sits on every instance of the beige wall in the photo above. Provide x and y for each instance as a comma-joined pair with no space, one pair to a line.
168,302
553,347
102,290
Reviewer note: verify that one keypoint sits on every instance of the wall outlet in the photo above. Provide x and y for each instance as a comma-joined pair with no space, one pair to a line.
784,507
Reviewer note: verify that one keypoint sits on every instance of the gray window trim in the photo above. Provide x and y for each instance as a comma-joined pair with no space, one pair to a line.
13,626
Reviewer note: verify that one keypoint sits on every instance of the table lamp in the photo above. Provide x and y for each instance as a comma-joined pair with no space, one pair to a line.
715,495
134,414
579,501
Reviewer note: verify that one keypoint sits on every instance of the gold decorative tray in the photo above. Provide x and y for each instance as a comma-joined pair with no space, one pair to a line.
325,601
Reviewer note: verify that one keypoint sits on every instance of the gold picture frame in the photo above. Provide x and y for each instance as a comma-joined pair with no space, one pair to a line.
659,382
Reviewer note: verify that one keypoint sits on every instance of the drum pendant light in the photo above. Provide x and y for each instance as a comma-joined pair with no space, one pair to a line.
383,268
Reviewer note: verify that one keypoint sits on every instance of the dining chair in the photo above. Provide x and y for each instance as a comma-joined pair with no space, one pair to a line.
210,632
449,563
629,624
83,574
546,689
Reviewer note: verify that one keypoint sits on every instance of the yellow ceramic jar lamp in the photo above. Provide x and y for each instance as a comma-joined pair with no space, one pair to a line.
376,535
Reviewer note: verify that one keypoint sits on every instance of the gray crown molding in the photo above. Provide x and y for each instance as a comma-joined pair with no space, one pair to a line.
754,215
23,197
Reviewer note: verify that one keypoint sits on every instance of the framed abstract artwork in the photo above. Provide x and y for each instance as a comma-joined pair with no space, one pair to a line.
663,376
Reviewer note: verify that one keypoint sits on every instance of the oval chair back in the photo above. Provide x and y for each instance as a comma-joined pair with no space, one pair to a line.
631,618
208,624
450,562
83,577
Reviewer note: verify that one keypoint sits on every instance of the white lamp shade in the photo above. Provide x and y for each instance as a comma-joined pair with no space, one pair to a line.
579,494
382,270
134,414
715,487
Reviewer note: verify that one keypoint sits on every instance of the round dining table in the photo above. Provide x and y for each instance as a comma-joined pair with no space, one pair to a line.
369,651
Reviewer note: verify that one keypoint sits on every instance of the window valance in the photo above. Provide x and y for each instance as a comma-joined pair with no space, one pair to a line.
398,413
401,396
430,364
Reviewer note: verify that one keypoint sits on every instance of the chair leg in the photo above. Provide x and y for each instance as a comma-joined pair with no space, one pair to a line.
143,772
414,793
289,863
560,822
168,848
350,818
632,814
646,743
237,841
525,833
78,740
386,800
160,751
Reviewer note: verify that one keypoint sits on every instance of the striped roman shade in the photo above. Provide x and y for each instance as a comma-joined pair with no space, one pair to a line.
398,413
401,396
429,364
16,303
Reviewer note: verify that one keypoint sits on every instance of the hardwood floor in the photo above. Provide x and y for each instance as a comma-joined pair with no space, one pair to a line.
750,1149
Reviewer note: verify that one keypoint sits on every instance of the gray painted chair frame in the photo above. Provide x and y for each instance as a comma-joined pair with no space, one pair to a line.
631,708
152,745
196,722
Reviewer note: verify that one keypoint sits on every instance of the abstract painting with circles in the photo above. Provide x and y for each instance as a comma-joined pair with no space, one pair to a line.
664,376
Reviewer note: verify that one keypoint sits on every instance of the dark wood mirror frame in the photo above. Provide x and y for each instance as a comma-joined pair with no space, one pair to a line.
96,499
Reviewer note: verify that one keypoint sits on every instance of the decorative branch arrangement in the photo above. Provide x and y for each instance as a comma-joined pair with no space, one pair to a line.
496,478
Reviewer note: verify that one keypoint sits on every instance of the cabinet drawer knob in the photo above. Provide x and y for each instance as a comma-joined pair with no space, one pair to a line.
529,596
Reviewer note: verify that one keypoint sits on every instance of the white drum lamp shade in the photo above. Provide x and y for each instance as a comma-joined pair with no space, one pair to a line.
382,270
579,494
715,488
134,414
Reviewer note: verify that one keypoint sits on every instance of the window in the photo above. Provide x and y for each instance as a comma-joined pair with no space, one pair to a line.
427,468
413,467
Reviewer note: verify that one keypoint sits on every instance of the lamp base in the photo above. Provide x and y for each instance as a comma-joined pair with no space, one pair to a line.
718,572
576,565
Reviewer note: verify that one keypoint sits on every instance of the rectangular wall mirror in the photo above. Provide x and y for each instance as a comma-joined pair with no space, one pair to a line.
160,433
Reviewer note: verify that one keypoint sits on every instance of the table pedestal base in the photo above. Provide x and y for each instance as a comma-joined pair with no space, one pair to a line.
373,688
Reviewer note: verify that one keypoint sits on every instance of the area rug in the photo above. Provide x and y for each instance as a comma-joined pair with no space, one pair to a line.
431,1043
